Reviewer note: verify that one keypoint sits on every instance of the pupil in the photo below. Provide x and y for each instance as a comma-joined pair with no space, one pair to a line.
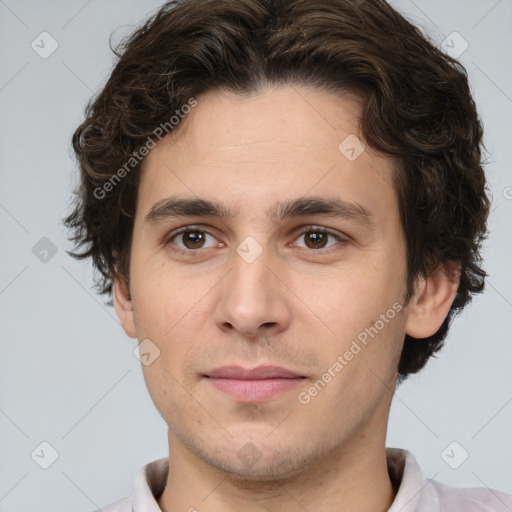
316,238
194,237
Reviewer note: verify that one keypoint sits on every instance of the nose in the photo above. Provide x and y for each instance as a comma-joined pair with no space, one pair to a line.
253,299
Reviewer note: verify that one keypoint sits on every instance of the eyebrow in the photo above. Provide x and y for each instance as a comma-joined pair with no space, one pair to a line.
177,207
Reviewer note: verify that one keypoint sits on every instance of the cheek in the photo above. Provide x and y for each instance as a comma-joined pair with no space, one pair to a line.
363,343
346,300
161,296
173,322
171,311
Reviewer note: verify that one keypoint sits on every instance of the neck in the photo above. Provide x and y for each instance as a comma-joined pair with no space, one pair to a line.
353,477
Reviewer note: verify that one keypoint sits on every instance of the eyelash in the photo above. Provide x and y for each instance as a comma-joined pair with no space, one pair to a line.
194,229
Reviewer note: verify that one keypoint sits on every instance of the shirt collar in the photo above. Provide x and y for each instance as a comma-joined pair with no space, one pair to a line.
149,485
413,488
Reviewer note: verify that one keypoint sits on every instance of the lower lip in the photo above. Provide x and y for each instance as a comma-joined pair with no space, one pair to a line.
254,390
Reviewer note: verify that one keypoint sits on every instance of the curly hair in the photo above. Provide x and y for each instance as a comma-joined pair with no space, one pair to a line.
417,108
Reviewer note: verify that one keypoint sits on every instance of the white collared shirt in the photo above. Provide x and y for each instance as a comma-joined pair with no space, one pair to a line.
415,493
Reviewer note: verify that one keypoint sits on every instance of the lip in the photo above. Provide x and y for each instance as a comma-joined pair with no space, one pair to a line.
258,373
253,385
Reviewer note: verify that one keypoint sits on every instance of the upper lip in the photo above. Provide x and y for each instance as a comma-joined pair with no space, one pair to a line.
260,372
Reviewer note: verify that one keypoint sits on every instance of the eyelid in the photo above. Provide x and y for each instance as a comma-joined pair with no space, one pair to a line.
185,229
342,238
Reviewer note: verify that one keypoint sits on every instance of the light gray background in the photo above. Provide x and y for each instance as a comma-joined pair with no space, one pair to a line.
68,373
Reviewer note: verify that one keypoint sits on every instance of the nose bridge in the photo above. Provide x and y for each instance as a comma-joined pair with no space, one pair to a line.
251,295
251,283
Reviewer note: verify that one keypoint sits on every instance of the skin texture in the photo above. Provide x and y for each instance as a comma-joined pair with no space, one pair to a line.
294,306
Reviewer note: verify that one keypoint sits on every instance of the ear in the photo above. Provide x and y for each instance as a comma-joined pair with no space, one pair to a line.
124,307
431,302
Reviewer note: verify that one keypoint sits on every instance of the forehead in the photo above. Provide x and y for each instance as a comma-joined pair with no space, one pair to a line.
250,152
273,120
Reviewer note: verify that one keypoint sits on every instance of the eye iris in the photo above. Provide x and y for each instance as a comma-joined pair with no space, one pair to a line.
316,237
195,238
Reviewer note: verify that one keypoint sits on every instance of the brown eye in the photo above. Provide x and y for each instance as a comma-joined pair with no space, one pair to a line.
189,239
315,239
318,238
192,239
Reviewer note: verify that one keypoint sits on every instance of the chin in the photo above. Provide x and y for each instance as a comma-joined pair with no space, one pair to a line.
273,473
260,458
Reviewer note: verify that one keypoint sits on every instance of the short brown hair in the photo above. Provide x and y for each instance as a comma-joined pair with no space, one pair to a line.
417,107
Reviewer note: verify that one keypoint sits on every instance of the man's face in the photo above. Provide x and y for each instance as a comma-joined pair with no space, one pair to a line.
249,290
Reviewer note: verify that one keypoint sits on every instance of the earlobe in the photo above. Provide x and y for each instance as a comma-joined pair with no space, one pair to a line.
432,300
124,306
